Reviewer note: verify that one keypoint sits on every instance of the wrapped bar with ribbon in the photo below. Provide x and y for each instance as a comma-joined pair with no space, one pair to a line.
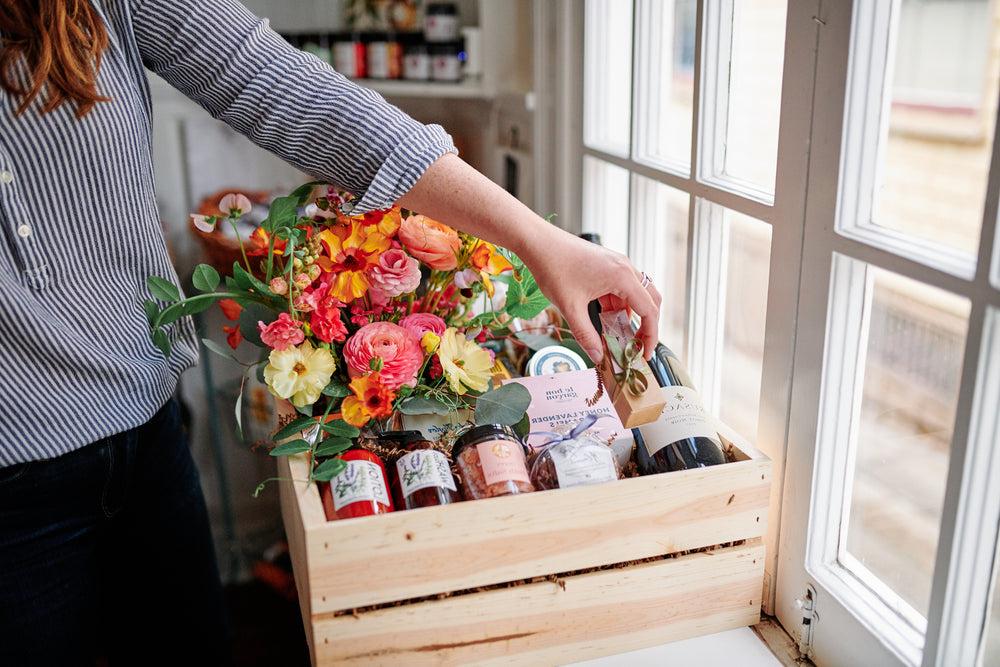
626,375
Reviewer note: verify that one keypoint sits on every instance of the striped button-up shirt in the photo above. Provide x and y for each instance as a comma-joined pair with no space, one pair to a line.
78,220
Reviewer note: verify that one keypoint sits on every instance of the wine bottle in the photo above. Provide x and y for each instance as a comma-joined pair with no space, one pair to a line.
684,436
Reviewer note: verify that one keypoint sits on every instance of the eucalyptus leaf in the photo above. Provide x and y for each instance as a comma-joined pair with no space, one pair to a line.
164,290
421,405
294,427
251,314
336,390
522,427
328,469
333,446
340,428
536,341
218,349
291,447
505,405
205,278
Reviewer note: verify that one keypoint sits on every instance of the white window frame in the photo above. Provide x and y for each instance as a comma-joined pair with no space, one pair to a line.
813,218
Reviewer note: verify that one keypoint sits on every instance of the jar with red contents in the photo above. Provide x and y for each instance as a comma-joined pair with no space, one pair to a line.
361,488
422,475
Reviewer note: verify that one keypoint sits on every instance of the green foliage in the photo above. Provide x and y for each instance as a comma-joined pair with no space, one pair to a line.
283,213
421,405
336,389
205,278
220,350
291,447
252,313
505,405
162,289
341,429
333,446
328,469
294,427
152,309
247,281
161,341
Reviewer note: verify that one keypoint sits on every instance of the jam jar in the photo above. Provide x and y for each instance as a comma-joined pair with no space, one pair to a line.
491,462
583,460
361,488
422,475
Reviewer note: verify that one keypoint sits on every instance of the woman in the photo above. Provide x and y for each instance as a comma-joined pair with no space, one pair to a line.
104,541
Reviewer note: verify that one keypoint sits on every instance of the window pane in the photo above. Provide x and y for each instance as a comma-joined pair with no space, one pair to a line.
605,202
915,347
942,110
659,247
607,76
758,38
665,83
749,254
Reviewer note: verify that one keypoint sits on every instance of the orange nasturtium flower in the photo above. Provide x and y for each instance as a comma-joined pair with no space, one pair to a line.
259,242
384,222
489,262
349,258
369,399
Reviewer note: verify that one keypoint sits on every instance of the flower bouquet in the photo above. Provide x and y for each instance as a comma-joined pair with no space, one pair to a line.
360,318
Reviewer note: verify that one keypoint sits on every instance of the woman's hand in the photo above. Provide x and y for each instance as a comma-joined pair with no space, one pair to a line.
573,272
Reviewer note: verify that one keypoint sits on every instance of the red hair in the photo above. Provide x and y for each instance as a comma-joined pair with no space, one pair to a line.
61,43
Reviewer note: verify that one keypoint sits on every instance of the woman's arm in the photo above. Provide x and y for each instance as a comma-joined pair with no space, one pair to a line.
571,272
231,63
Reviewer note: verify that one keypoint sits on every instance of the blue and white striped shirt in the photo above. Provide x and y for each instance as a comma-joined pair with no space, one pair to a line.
80,230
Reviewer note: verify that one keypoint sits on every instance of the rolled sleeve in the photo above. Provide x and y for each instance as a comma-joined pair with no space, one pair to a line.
289,102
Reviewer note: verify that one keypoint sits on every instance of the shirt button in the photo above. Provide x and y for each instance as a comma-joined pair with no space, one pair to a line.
6,177
24,231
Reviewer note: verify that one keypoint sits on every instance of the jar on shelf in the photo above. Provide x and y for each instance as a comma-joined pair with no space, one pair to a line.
349,55
446,61
441,22
361,488
491,462
416,61
582,460
385,56
422,475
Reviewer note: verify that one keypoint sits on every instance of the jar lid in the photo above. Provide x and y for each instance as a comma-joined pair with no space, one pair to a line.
441,8
482,432
401,438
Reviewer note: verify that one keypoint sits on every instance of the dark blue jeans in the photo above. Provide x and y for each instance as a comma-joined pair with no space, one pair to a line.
107,551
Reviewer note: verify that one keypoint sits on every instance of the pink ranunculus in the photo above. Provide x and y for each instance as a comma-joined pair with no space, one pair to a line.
433,243
282,333
398,348
235,205
421,323
396,273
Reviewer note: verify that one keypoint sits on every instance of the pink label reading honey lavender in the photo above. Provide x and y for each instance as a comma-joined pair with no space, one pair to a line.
502,461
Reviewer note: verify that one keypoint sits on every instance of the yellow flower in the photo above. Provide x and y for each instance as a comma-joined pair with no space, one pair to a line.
300,373
430,341
350,257
464,363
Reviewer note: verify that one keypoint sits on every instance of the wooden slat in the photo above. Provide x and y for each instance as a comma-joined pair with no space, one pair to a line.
298,513
441,549
598,613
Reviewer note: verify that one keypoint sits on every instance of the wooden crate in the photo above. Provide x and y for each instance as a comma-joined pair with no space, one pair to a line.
473,550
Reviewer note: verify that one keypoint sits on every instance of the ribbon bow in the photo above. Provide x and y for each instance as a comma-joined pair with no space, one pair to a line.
630,377
581,427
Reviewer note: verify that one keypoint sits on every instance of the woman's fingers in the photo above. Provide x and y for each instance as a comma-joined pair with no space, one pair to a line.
641,300
584,332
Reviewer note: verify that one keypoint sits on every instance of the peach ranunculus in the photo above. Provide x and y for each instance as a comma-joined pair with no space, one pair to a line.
421,323
387,348
433,243
396,273
282,333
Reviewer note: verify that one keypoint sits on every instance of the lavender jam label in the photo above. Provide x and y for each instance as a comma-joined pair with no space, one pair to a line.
423,469
359,481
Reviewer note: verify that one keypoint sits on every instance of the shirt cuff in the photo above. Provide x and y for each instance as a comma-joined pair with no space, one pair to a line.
402,169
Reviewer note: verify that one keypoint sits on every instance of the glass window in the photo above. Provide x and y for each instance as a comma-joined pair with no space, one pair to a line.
665,83
915,344
941,115
754,79
749,258
605,202
659,247
607,108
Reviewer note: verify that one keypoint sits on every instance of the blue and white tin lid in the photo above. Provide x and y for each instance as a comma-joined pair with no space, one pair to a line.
555,359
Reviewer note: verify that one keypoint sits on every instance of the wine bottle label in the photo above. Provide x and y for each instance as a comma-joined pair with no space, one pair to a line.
360,480
683,416
502,461
423,469
583,465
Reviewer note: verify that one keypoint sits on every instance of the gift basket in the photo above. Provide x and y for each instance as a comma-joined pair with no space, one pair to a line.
458,481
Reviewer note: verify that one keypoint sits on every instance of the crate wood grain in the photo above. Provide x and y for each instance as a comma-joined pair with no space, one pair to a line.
598,613
470,544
